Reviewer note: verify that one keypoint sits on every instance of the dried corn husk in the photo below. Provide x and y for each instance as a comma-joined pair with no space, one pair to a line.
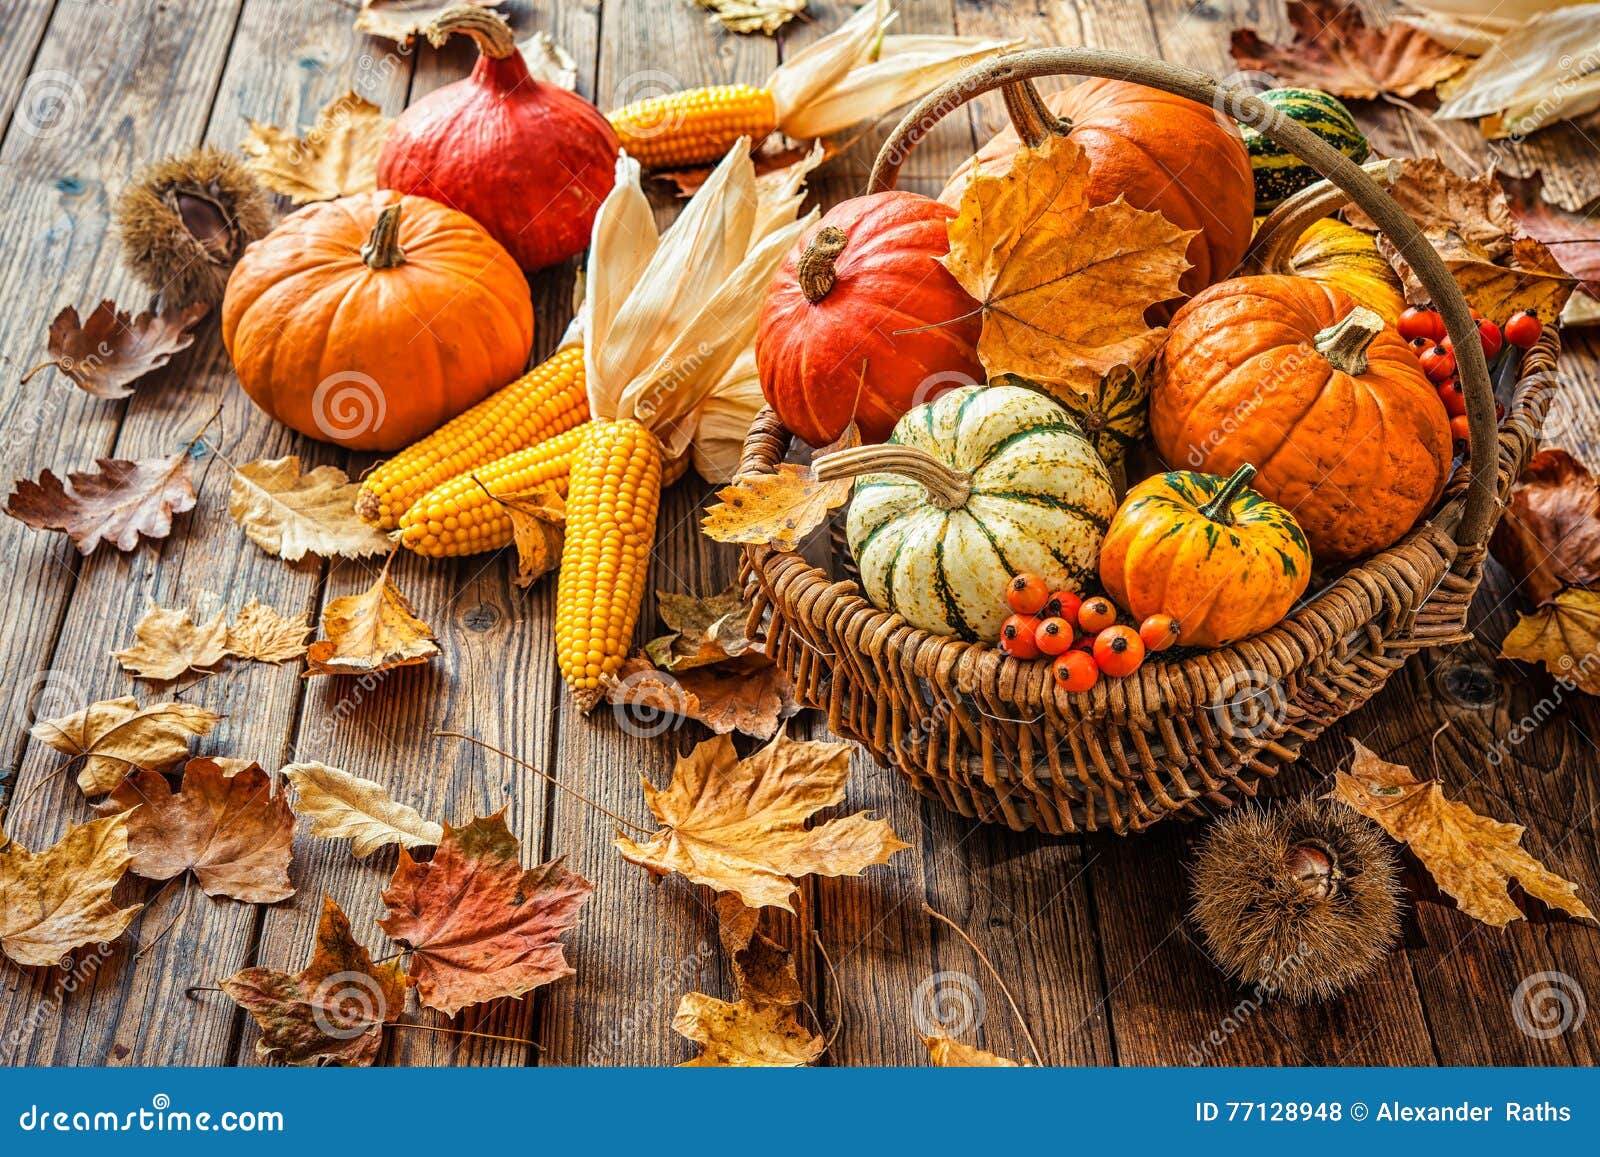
1541,72
1471,27
859,72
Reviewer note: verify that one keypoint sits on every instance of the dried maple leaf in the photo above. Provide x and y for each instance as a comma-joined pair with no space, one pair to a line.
1064,284
1572,238
1336,50
333,1010
264,635
738,825
479,925
230,830
1471,857
948,1053
400,20
1550,535
774,509
372,631
169,642
60,899
337,157
116,736
537,522
703,631
342,806
749,694
105,354
116,504
291,515
1564,635
744,1035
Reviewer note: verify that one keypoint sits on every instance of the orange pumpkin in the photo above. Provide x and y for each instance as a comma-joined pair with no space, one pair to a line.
1163,153
1329,403
371,320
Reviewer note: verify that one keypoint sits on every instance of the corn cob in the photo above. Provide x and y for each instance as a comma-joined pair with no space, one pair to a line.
463,515
612,501
549,399
696,127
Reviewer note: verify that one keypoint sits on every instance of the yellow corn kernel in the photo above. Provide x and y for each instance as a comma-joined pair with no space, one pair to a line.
464,515
696,127
549,399
612,500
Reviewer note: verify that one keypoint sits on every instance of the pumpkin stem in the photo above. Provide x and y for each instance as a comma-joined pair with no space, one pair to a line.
815,268
1030,116
382,250
947,487
1345,343
488,30
1220,508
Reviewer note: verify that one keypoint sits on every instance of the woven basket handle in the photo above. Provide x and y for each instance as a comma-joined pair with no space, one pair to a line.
1014,75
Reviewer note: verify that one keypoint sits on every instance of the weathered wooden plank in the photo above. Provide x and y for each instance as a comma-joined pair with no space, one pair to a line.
24,33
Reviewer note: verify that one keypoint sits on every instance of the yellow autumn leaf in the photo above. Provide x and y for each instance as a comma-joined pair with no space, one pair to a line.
774,509
372,631
344,806
169,642
60,899
1064,284
338,155
116,736
949,1053
738,825
264,635
291,514
1564,635
1471,857
744,1035
538,529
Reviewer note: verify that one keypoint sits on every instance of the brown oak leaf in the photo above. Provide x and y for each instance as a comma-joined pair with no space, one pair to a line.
750,694
109,351
169,642
1336,50
60,899
344,806
1471,857
738,825
264,635
230,830
116,736
1564,635
117,503
478,924
948,1053
333,1010
291,515
1550,535
337,157
400,20
372,631
1064,283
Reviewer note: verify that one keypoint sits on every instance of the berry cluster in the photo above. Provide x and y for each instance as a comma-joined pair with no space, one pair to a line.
1081,637
1424,329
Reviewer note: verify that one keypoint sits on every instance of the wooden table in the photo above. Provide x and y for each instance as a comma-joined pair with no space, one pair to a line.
1090,933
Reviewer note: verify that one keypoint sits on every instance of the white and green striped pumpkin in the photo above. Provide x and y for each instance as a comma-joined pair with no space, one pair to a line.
1278,172
974,487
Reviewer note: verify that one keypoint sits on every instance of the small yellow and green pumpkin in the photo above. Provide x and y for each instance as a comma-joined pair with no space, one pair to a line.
978,485
1279,173
1332,253
1114,414
1221,560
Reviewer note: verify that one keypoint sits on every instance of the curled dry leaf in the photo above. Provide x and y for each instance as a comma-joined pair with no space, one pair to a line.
372,631
60,899
1064,284
168,642
333,1010
105,354
537,528
119,502
337,157
738,825
1471,857
744,1034
747,16
478,924
1564,635
264,635
750,694
400,20
342,806
116,736
763,970
1336,50
703,631
230,830
549,61
779,509
1550,535
948,1053
291,515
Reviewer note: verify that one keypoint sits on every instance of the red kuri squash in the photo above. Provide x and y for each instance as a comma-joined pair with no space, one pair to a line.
863,320
1160,151
527,160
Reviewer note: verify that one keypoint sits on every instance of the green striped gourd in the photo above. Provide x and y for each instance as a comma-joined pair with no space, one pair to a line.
972,488
1278,172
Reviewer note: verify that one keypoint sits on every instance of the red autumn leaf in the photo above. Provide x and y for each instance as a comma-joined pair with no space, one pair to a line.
231,831
116,504
333,1010
478,924
1550,535
105,354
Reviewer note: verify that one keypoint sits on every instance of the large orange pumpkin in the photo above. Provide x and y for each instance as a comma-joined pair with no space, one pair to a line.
371,320
1160,151
863,320
1329,402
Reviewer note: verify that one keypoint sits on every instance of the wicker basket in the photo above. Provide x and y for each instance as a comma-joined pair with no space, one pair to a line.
993,738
